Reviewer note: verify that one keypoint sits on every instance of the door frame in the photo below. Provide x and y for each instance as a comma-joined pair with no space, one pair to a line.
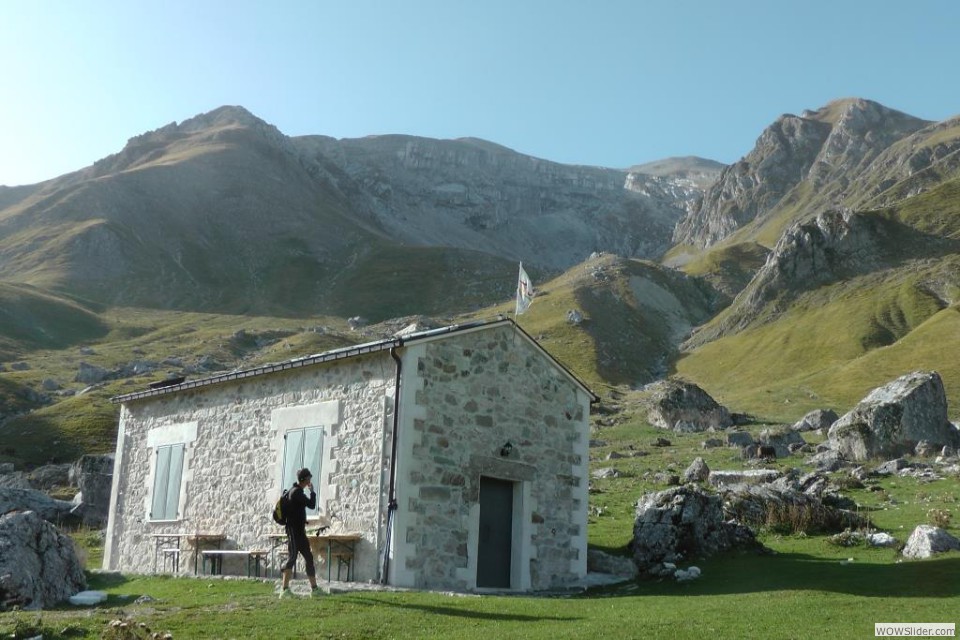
519,536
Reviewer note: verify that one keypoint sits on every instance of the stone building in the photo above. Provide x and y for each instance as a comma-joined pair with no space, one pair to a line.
459,455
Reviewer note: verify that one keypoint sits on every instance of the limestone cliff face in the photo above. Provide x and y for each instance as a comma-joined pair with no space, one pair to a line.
470,193
809,161
834,245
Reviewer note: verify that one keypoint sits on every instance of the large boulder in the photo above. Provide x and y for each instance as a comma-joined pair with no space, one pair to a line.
49,476
781,439
742,476
786,508
600,562
681,524
816,419
698,471
892,419
56,511
38,564
93,475
926,540
683,406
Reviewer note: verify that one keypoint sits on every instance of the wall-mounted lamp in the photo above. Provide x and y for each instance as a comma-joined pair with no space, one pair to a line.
506,449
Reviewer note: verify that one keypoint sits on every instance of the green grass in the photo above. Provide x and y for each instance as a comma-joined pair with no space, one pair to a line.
801,591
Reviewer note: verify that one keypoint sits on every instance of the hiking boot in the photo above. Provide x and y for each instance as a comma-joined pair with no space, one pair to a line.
285,593
316,591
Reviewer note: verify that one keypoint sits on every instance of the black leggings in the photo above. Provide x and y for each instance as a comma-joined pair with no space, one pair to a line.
297,543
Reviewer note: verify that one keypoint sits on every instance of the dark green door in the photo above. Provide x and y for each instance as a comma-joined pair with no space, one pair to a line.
494,548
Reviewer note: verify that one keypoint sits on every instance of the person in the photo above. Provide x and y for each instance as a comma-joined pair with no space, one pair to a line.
297,531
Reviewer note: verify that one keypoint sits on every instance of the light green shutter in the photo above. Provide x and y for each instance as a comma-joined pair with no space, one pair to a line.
161,479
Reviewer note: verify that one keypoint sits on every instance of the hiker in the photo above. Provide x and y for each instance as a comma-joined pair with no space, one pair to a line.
296,515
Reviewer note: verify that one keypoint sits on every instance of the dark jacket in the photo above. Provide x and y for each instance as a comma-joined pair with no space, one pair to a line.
299,503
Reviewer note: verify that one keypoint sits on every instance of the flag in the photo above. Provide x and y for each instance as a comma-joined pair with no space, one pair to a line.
525,291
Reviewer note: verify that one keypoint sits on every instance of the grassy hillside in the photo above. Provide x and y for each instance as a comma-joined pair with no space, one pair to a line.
835,344
34,319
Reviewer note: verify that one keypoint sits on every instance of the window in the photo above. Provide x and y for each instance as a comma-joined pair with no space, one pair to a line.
303,448
166,482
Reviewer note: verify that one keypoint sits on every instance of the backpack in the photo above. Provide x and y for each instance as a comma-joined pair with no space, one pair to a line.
280,509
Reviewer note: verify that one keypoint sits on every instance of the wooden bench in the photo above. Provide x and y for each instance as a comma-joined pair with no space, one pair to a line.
215,558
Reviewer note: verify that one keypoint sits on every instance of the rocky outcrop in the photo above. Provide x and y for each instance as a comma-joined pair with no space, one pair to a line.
38,565
894,418
814,159
834,245
685,407
93,475
600,562
816,419
682,524
723,478
781,439
18,499
786,507
927,540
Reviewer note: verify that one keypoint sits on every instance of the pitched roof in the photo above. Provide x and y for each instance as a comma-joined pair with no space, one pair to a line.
350,352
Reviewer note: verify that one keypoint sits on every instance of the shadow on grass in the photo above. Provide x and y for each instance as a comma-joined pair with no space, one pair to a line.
935,578
457,612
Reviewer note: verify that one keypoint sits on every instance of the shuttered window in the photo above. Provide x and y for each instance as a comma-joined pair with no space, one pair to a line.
303,448
166,482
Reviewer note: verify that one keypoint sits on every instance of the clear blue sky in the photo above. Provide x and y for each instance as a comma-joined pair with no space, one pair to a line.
609,83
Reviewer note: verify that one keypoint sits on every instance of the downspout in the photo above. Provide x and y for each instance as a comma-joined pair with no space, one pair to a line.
392,503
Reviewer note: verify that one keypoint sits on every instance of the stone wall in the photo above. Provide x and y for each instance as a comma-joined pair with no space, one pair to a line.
232,469
469,395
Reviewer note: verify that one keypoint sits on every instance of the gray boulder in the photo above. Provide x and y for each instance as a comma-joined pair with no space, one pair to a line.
891,467
675,401
787,508
816,419
894,418
683,523
93,475
781,439
927,540
739,439
49,476
698,471
600,562
711,443
17,499
748,476
90,374
38,564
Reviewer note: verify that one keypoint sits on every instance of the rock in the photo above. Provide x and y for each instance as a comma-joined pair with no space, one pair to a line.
90,374
615,455
20,366
683,523
49,384
660,442
948,452
826,461
927,540
574,317
711,443
667,478
87,351
924,449
16,499
608,472
739,439
780,440
600,562
6,467
768,505
881,540
687,575
796,447
891,467
698,471
49,476
88,598
136,368
749,452
357,322
747,476
93,475
38,565
816,419
894,418
674,401
597,443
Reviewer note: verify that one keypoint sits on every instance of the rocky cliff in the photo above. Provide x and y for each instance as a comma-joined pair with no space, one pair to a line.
798,165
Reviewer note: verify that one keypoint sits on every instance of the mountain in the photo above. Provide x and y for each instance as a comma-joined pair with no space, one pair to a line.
799,164
223,212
